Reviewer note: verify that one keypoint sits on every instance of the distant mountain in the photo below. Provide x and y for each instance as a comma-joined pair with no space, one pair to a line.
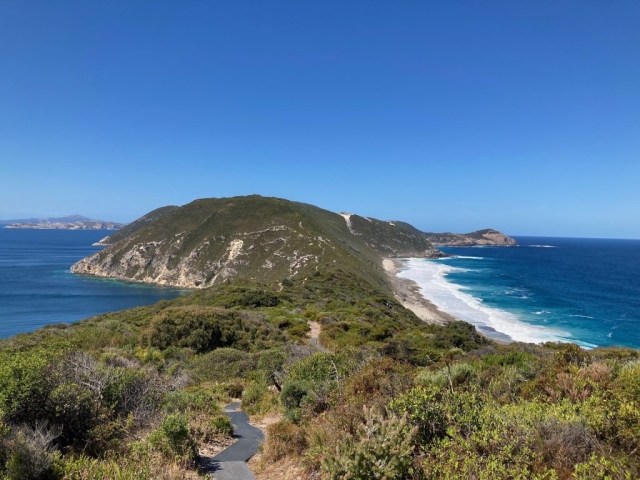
67,219
267,239
70,222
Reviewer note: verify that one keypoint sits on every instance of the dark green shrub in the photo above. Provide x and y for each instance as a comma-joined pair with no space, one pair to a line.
25,383
222,424
292,395
572,354
77,410
222,364
174,438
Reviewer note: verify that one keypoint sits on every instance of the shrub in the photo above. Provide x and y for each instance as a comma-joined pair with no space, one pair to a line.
199,328
257,399
222,424
425,411
455,375
25,383
28,452
173,438
381,449
222,364
599,467
628,381
77,410
292,394
572,354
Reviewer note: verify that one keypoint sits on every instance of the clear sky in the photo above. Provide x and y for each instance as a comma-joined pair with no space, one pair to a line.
454,116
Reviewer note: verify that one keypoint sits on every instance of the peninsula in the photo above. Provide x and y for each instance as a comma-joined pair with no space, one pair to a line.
71,222
213,240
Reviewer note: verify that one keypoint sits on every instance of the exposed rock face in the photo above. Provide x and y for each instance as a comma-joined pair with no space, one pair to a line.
481,237
266,239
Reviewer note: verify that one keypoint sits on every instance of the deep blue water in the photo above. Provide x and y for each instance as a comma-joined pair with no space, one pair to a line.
37,288
569,289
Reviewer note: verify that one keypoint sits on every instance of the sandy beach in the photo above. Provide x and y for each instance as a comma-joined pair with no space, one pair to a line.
407,292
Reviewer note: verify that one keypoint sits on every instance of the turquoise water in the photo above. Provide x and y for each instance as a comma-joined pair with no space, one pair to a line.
585,291
37,288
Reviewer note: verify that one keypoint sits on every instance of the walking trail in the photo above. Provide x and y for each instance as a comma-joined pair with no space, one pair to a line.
231,463
315,332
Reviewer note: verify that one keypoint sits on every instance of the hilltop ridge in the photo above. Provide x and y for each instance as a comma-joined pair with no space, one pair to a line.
266,239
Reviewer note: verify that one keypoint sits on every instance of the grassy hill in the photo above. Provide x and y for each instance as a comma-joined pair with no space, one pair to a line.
212,240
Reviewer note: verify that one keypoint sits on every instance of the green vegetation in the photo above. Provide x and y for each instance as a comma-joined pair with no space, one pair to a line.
133,227
138,393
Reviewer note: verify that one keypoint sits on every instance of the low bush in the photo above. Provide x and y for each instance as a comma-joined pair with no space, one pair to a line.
381,449
173,438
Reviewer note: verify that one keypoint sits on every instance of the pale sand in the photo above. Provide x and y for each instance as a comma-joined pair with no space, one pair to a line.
407,292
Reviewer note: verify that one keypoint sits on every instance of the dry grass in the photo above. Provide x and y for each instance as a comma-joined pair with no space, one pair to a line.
285,469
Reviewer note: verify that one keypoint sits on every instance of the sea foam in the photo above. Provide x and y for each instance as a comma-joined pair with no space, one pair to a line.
451,298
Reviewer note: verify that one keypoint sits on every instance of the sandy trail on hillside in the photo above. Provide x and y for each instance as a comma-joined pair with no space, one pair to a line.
407,292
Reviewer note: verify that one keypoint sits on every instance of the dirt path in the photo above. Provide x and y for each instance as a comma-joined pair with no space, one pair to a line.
314,337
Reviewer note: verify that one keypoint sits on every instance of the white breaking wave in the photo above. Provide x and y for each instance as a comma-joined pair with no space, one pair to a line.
451,298
540,246
470,258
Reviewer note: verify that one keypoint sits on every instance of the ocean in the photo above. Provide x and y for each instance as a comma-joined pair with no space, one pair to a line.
585,291
37,288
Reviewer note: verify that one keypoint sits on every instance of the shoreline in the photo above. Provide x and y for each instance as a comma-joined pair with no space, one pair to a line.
407,292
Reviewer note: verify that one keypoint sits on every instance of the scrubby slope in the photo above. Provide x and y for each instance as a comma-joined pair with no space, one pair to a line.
135,226
268,239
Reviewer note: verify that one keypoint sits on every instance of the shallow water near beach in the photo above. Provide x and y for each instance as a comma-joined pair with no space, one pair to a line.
585,291
37,288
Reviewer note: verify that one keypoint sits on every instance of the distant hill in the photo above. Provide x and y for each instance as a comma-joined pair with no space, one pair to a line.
266,239
67,219
70,222
481,237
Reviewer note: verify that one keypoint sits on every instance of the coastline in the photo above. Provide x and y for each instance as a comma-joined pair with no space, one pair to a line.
408,294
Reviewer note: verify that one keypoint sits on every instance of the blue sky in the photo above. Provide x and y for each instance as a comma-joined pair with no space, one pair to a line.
454,116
